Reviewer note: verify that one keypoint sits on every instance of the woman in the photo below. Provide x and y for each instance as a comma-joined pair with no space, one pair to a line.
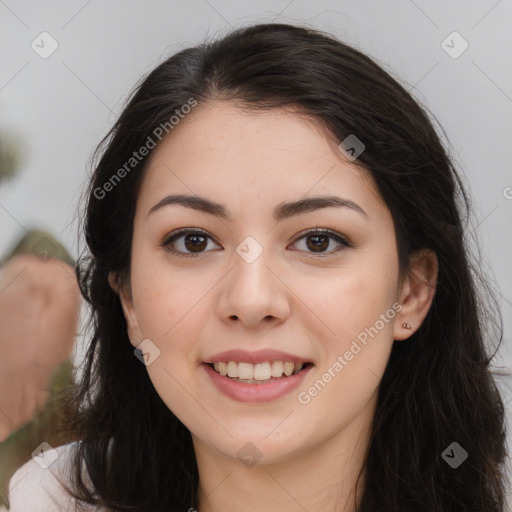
285,316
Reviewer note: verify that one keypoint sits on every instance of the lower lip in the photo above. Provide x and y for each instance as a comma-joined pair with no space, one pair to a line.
244,392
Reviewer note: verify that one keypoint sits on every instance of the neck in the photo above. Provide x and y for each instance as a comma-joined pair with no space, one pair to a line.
323,478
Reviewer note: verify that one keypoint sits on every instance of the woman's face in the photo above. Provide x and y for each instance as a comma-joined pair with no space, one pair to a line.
254,282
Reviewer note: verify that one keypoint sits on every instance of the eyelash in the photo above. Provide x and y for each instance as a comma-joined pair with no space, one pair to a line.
185,231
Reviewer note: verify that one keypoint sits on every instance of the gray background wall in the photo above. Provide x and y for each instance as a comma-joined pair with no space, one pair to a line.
59,107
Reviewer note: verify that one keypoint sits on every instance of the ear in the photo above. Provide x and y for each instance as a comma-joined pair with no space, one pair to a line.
417,292
122,288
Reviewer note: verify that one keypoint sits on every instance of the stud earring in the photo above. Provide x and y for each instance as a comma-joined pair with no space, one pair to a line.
405,325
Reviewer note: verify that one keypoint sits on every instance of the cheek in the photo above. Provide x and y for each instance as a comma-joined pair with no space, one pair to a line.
352,300
355,356
357,308
169,305
164,298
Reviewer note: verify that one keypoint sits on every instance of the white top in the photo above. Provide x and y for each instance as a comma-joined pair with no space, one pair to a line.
35,488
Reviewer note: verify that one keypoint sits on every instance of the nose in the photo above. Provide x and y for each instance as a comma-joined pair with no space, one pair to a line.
254,293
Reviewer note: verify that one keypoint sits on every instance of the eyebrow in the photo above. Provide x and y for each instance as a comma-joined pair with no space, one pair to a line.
281,211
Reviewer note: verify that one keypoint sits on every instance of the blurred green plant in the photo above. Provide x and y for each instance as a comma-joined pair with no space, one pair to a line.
10,156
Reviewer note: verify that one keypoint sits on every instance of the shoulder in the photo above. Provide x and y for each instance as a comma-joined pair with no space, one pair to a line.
36,486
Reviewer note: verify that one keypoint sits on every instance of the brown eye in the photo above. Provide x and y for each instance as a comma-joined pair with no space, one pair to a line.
318,240
187,242
192,242
195,243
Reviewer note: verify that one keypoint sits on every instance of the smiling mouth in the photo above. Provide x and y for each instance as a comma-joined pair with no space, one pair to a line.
259,373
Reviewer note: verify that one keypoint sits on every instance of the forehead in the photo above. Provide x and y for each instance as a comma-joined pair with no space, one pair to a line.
221,148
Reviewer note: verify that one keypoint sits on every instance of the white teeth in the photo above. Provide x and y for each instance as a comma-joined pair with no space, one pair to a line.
232,369
277,369
223,369
245,371
258,371
262,371
288,369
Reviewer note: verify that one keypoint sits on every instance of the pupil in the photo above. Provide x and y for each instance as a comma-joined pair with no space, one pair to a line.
195,247
320,245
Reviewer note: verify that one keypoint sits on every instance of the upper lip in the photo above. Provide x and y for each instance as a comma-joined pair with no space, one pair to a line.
259,356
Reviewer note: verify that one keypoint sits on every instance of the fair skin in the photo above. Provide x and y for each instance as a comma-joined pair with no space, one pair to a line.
290,298
39,305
